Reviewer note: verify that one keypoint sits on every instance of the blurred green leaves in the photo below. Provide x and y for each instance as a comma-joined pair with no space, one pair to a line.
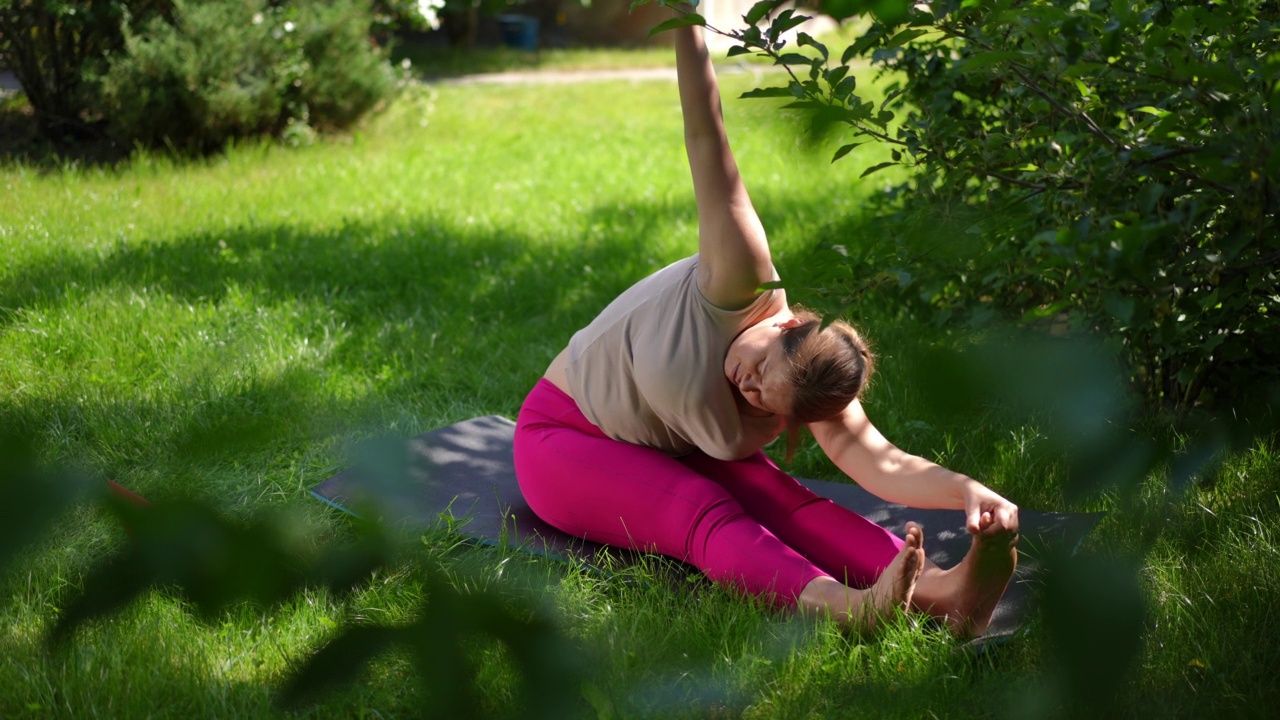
1095,615
33,496
1077,390
442,643
1095,608
887,11
215,563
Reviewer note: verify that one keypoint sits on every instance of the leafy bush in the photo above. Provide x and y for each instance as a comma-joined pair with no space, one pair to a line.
1092,166
348,76
49,44
235,68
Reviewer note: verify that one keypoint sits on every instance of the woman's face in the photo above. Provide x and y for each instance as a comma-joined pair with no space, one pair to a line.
758,367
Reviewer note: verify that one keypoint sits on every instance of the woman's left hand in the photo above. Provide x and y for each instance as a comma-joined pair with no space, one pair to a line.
987,513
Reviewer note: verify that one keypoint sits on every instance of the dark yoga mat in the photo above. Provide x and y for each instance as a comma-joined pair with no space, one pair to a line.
465,472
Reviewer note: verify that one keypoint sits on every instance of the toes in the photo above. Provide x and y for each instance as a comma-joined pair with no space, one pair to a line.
915,535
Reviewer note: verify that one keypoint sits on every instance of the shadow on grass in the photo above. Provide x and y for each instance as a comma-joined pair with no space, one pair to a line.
437,320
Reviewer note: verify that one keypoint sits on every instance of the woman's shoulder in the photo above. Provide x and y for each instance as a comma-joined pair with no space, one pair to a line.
736,295
765,300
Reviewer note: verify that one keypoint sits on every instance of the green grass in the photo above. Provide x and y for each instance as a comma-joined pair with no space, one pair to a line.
228,329
440,62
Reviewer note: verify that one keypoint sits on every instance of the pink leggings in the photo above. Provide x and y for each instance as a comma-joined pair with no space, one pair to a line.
745,523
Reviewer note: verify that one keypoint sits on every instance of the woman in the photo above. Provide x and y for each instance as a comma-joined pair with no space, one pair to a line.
646,431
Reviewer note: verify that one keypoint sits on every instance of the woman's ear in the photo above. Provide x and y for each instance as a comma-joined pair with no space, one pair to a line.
791,322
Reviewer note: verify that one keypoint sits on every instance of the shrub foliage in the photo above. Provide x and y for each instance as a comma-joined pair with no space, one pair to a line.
195,75
1094,166
220,70
50,44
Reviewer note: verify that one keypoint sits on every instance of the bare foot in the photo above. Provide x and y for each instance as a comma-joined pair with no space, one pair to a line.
892,591
983,576
862,610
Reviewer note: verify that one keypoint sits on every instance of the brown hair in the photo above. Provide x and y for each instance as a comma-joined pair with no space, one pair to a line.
829,368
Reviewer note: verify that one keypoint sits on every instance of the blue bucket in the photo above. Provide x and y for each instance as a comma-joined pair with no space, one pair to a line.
519,31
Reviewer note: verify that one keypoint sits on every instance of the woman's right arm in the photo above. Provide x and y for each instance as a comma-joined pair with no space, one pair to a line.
733,251
881,468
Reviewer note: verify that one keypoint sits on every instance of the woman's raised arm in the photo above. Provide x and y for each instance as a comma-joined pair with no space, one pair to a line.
733,251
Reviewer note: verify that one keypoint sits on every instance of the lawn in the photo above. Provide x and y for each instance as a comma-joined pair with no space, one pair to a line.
227,330
444,62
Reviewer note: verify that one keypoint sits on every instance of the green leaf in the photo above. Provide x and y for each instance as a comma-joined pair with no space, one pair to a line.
842,9
785,22
876,168
905,37
891,12
861,45
41,495
774,29
768,92
760,10
339,662
804,39
737,50
793,59
1169,125
679,22
1048,13
987,59
845,149
1082,69
1118,306
846,87
891,96
1149,196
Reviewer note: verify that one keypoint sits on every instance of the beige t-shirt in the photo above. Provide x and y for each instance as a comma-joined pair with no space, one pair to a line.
649,370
